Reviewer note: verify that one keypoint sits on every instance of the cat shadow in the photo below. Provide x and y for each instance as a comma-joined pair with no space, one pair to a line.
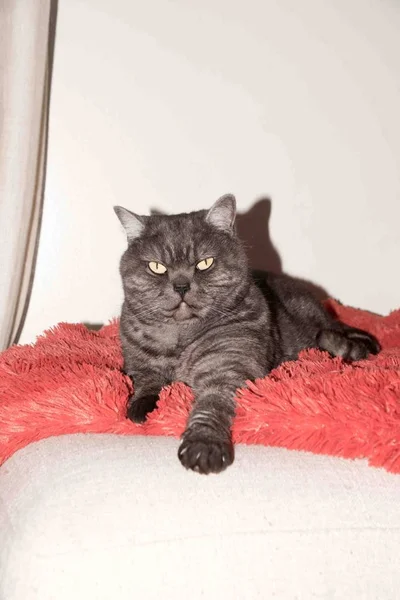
93,326
253,229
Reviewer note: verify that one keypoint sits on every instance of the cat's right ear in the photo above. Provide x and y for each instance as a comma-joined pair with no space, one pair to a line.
132,223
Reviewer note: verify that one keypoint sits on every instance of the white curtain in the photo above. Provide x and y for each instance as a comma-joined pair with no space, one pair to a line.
26,45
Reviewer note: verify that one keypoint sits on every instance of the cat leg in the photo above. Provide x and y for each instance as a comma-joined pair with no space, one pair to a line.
147,386
215,375
206,445
305,323
348,342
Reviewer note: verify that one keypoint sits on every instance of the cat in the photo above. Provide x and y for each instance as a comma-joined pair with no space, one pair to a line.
194,312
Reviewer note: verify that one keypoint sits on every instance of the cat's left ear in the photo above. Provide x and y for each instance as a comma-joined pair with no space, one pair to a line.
222,214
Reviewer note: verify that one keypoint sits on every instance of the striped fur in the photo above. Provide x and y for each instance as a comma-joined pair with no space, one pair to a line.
229,326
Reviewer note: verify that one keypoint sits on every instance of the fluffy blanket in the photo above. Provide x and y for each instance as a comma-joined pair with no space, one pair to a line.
70,381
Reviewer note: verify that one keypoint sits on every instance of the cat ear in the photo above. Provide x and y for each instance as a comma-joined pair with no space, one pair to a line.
132,223
222,213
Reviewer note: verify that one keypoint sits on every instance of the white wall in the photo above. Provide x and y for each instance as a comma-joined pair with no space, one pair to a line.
169,104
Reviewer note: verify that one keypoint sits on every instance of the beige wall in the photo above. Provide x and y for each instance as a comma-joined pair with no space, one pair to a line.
169,104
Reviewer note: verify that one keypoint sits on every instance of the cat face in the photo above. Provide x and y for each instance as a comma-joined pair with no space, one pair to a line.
182,267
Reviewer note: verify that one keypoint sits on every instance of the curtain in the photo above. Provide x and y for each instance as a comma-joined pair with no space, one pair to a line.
26,50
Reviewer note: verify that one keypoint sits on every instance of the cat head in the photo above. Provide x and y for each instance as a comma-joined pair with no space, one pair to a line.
182,267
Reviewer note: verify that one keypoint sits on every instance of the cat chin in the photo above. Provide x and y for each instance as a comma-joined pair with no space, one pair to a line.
183,312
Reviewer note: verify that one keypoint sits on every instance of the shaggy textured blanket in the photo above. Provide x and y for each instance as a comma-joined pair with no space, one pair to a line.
70,381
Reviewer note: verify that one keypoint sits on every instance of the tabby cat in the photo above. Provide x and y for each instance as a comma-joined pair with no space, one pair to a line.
194,312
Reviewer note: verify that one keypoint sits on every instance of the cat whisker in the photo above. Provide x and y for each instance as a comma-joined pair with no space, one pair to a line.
145,312
227,313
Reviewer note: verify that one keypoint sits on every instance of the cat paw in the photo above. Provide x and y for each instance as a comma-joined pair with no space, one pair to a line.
138,408
203,455
351,344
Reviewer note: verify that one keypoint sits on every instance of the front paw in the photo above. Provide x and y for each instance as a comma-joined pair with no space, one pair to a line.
204,452
138,408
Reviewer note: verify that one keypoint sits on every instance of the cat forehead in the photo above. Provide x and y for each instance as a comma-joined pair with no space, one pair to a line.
174,244
179,230
177,251
176,224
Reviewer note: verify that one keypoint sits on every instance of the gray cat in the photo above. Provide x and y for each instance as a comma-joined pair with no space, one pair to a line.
194,312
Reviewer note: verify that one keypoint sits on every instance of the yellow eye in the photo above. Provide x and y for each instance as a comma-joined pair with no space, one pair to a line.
157,268
204,264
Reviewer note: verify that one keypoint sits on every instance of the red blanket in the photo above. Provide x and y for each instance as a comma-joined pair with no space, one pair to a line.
70,382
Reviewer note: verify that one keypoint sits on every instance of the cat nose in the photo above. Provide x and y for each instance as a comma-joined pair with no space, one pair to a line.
182,288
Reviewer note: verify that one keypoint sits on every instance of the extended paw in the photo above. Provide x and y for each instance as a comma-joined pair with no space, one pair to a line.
205,454
138,408
351,344
365,341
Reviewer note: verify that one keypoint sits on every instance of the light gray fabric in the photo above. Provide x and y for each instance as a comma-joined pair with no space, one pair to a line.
108,517
24,102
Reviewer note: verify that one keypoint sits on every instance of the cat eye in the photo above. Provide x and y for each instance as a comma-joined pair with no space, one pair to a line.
204,264
157,267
